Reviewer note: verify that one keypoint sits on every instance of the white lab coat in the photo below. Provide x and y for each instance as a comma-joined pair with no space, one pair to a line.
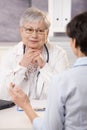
35,87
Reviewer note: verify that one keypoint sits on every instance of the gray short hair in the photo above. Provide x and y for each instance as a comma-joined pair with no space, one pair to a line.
34,14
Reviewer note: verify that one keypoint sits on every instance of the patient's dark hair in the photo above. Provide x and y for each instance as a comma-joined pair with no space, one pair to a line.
77,28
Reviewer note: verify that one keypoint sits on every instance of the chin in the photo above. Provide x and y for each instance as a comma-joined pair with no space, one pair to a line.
33,47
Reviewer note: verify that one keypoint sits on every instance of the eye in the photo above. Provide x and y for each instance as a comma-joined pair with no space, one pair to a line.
29,29
40,30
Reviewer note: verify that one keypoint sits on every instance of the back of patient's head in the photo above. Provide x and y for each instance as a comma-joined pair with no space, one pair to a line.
77,29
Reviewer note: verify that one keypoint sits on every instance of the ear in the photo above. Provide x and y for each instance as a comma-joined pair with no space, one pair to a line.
46,35
47,32
73,42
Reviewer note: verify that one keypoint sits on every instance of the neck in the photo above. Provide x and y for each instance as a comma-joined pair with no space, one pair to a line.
79,53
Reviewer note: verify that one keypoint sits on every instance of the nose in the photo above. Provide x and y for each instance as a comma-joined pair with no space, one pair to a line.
34,33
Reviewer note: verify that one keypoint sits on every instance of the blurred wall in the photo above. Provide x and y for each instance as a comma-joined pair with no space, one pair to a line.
10,12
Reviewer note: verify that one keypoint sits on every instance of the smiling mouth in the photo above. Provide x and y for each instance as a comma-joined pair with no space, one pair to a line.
32,41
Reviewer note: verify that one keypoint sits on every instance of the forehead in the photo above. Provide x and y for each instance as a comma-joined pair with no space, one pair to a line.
35,24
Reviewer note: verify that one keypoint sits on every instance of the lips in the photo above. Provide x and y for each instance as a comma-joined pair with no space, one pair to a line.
34,41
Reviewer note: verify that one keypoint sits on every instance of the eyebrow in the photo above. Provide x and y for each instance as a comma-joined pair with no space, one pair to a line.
36,28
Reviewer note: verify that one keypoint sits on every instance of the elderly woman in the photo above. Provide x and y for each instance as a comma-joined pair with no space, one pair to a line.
32,62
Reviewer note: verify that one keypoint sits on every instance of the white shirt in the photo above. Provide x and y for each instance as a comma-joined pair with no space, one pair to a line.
67,102
35,87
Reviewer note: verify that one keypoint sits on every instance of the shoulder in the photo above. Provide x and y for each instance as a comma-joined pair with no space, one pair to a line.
18,46
64,77
62,86
14,50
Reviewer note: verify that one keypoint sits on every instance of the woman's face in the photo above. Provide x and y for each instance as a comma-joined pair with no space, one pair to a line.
34,34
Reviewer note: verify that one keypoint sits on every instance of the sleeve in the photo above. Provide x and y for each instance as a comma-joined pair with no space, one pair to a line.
10,71
53,119
37,124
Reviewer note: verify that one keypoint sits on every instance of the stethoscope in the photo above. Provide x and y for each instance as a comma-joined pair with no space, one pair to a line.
38,74
47,60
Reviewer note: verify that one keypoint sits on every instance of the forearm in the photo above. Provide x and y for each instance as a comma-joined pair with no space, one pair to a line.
30,112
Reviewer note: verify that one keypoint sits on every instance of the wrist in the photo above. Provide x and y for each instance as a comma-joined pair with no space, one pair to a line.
42,65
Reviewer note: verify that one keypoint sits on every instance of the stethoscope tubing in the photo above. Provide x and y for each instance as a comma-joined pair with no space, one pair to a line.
38,74
24,48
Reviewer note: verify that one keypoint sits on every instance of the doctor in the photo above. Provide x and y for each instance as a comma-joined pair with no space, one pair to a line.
67,104
32,62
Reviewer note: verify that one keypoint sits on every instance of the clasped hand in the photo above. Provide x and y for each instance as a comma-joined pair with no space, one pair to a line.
32,56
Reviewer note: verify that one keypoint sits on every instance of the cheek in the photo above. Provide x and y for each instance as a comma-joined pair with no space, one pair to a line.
25,37
44,39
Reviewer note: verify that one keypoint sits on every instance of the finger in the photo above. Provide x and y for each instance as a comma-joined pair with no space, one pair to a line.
12,85
35,57
38,58
12,93
12,90
33,50
19,91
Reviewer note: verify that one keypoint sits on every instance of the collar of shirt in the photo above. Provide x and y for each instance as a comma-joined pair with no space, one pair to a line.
82,61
